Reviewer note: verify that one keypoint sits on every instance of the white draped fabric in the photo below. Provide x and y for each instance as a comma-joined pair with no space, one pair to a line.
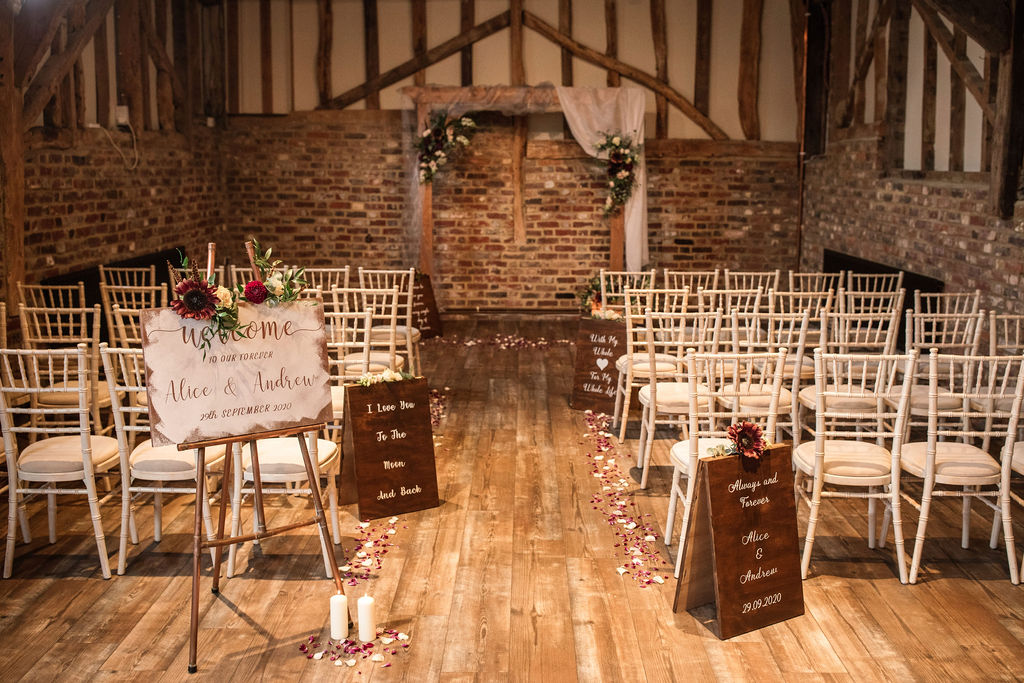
593,111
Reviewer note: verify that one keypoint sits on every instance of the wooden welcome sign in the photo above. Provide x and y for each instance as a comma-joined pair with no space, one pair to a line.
425,316
741,549
598,344
387,429
272,374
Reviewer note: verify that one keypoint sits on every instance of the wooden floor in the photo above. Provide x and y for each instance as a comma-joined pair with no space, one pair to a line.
513,577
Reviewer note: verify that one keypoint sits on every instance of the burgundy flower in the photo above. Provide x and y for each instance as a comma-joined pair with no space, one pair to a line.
748,438
255,292
196,300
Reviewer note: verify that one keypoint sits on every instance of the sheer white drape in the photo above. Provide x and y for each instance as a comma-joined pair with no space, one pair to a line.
592,111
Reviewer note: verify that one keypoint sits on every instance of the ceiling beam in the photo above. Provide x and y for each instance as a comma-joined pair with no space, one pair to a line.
986,21
35,26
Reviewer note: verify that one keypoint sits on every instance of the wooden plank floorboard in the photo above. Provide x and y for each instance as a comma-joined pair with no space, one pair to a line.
513,577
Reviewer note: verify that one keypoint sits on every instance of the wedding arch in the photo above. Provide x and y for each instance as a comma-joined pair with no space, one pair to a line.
589,111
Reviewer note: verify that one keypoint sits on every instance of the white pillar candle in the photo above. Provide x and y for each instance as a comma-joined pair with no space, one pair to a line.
367,623
339,617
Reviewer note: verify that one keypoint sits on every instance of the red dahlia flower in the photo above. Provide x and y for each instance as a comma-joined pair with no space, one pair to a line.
196,300
748,438
255,292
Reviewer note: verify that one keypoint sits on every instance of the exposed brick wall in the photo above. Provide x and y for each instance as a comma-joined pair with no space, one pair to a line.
336,184
941,226
84,208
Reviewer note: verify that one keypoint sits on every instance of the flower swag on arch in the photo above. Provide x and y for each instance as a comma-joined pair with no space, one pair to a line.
440,140
621,159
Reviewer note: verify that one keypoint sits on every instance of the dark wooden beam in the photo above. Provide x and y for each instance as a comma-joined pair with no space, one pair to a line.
517,71
865,55
56,67
991,79
419,37
839,63
963,66
155,31
565,26
432,56
986,21
371,43
611,39
929,81
881,55
896,97
957,102
467,19
101,68
185,46
12,162
548,31
1008,136
143,67
702,60
861,44
750,68
267,57
129,61
36,26
214,90
797,10
231,20
518,155
56,113
76,19
659,37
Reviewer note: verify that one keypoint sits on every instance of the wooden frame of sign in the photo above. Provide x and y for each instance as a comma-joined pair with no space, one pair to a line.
272,389
599,343
387,430
741,550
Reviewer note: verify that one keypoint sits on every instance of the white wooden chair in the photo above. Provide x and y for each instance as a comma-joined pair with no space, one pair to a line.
751,279
854,302
383,305
614,284
816,281
348,357
52,296
665,399
129,297
155,466
860,418
817,304
326,279
122,276
408,335
873,282
975,404
68,451
1005,334
739,383
947,303
691,279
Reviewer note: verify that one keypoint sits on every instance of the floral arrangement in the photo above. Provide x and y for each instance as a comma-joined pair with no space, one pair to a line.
622,158
747,440
442,138
386,376
590,301
200,298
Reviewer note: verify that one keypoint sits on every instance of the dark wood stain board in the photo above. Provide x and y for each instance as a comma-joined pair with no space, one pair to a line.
425,316
742,550
598,344
389,436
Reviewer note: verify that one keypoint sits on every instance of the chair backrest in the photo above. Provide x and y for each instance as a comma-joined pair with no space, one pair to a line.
614,284
692,279
119,276
860,332
870,302
348,344
131,297
126,330
125,372
816,282
947,303
383,306
326,279
792,303
345,299
47,327
846,384
873,282
3,324
670,334
240,275
1005,334
752,279
35,372
404,280
665,300
954,333
52,296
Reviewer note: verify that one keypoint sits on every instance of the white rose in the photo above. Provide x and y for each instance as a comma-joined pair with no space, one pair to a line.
223,295
425,133
275,284
616,140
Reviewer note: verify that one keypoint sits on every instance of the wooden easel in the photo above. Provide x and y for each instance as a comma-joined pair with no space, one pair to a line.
199,544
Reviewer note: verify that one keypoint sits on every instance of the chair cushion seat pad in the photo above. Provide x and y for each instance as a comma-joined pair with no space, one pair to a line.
665,363
846,458
679,454
147,459
952,460
62,454
674,397
282,456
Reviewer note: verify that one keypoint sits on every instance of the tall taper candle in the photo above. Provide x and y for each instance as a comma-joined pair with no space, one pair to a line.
339,617
367,622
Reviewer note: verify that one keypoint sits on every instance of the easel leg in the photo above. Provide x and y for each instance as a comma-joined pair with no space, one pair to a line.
219,550
261,521
321,519
197,550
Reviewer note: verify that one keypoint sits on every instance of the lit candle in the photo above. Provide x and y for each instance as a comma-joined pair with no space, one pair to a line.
367,623
339,617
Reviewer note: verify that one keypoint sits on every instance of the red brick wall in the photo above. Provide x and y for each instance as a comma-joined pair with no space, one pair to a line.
84,208
940,226
335,185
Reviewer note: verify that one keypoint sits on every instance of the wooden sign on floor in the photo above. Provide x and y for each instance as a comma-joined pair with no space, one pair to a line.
425,316
387,431
741,549
598,344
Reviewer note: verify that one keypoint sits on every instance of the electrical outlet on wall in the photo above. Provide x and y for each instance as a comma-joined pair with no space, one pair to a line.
121,115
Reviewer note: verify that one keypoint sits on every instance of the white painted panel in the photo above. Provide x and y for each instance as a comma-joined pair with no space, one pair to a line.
912,152
348,64
490,55
777,92
306,35
250,90
973,116
725,61
681,18
443,23
542,59
589,29
281,56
